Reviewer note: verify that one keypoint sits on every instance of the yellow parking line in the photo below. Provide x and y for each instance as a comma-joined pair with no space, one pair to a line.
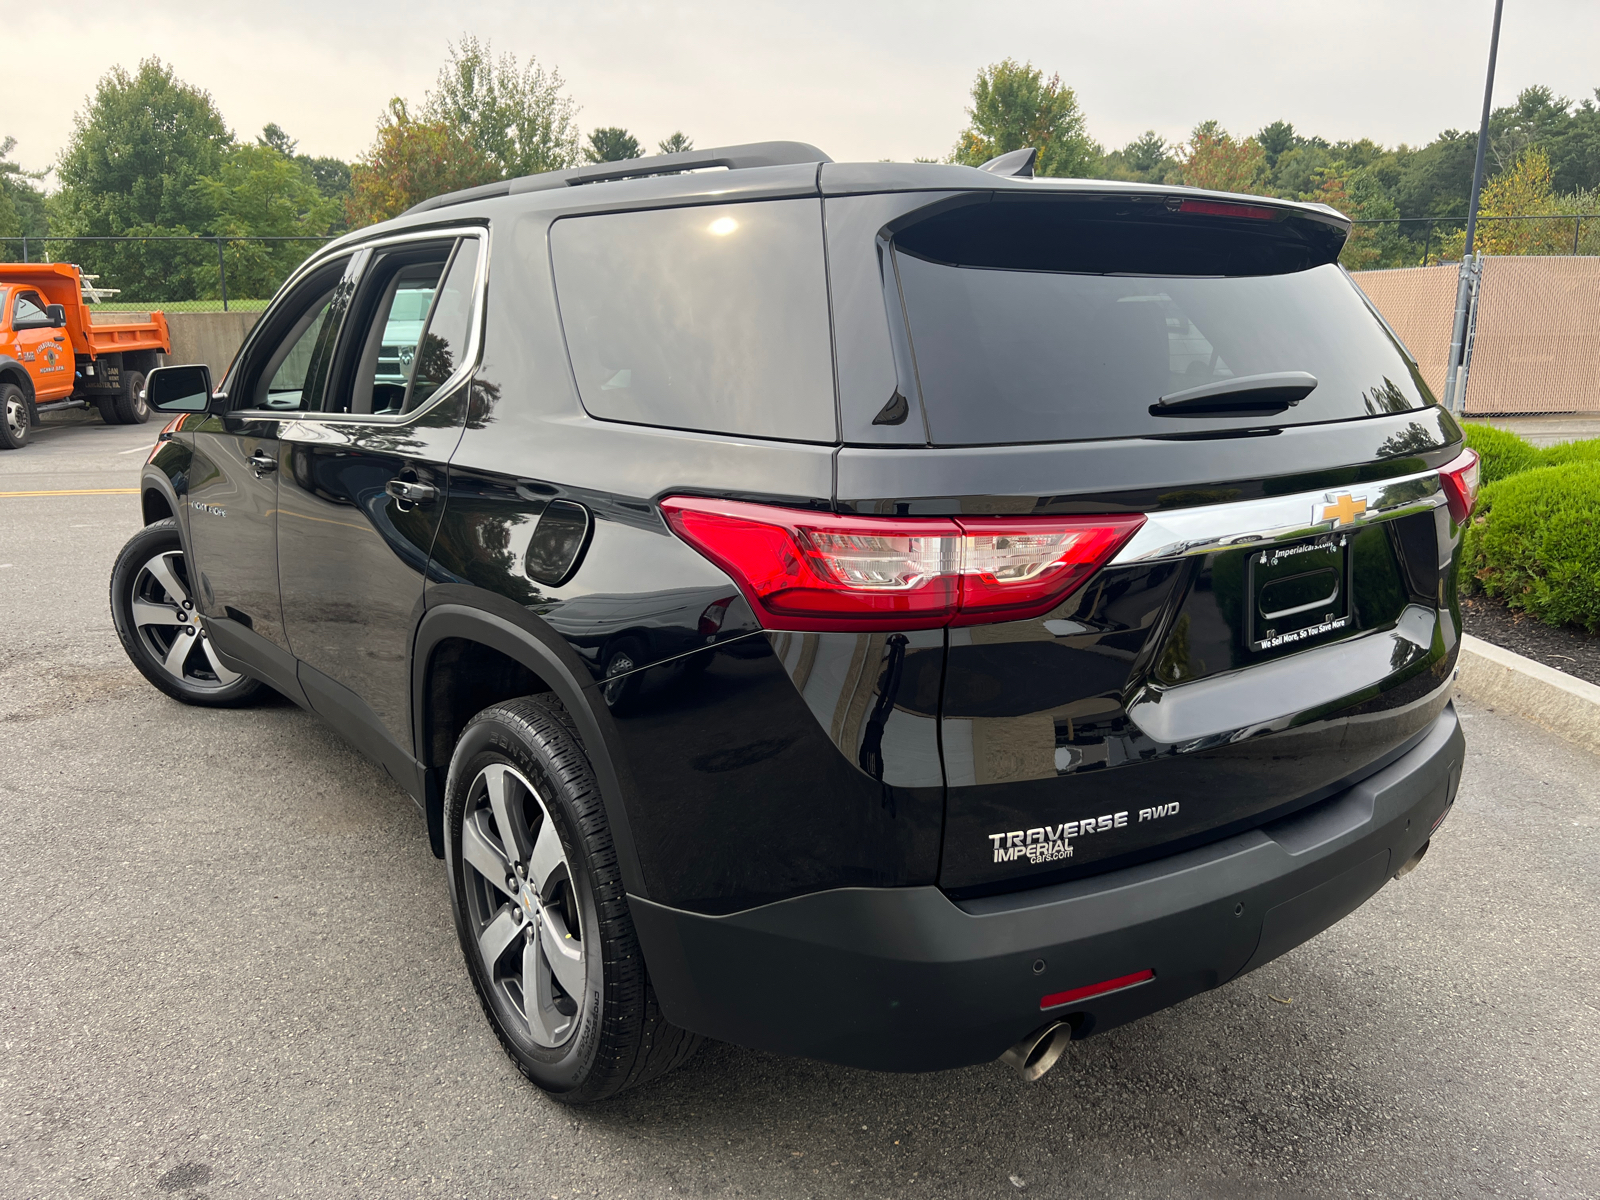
79,492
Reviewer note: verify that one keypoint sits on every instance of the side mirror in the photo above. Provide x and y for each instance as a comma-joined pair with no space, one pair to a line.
185,389
57,314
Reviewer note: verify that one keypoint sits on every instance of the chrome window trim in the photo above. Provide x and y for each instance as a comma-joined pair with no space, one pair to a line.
1206,529
360,258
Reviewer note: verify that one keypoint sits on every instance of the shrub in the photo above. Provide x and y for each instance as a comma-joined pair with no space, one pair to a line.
1502,452
1571,452
1534,541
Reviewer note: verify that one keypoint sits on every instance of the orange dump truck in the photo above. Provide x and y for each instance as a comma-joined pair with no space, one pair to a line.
53,354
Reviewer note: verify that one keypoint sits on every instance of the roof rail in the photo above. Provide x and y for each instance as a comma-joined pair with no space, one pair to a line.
751,154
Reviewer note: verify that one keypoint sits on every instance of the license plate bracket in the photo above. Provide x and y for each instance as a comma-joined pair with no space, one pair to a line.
1299,591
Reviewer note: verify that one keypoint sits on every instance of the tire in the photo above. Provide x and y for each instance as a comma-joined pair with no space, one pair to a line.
130,406
108,409
153,608
15,415
521,763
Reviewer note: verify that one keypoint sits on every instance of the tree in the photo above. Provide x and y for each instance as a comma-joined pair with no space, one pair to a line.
612,144
1526,189
1212,159
1574,149
517,117
330,176
1275,139
262,192
1146,159
22,206
132,166
678,143
412,161
1014,106
1434,179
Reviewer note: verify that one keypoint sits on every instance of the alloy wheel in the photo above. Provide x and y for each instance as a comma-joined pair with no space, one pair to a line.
17,417
523,906
167,624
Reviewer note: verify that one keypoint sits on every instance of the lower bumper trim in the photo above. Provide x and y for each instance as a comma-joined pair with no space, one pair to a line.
904,979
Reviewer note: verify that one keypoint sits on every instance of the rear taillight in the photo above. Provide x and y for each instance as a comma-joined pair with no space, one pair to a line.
1460,480
815,571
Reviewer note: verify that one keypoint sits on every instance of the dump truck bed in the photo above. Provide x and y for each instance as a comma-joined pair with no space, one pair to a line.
61,283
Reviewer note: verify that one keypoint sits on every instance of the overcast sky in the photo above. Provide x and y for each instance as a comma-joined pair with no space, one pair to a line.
862,80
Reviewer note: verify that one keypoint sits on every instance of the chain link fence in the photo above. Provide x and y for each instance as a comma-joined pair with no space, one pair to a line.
175,273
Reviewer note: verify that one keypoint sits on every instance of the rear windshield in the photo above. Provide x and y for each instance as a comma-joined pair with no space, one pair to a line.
1009,354
710,318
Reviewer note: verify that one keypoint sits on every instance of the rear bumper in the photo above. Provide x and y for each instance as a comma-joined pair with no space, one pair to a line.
904,979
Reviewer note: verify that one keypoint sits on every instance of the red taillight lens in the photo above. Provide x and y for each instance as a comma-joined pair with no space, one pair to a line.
1460,480
1220,208
811,571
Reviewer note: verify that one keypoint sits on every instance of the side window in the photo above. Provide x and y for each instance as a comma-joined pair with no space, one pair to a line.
414,321
29,312
287,366
712,318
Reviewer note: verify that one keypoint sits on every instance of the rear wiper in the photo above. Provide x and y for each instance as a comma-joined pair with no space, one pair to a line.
1246,394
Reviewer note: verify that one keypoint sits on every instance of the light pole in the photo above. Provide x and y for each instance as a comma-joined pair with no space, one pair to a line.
1454,387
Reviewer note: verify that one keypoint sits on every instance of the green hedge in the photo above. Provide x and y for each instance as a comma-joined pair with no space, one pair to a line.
1571,452
1502,452
1534,541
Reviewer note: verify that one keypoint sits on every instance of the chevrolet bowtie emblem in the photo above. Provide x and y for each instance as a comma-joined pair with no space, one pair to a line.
1344,510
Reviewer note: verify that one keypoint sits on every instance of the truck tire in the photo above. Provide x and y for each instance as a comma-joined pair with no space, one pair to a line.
541,904
15,414
108,409
130,407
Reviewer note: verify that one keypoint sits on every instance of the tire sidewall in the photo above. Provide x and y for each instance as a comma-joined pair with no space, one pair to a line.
131,406
141,547
492,739
10,393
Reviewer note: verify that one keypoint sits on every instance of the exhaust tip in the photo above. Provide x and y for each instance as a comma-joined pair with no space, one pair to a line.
1410,864
1039,1051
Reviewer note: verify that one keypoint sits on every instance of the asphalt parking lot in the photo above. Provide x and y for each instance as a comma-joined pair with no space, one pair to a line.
227,968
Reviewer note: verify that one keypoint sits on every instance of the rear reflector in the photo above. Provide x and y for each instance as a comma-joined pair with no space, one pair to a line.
818,571
1057,999
1460,481
1219,208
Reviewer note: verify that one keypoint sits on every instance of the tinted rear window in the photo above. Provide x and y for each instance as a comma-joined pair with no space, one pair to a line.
1010,354
707,318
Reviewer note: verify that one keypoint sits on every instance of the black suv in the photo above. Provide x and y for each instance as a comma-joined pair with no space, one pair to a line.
904,615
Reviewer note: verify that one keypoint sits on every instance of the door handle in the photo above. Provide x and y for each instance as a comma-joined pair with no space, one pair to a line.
408,492
59,338
263,462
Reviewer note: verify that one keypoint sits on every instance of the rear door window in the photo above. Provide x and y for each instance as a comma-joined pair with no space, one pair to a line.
412,328
709,318
1029,341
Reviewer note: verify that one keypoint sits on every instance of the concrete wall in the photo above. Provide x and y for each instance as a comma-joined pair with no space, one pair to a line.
212,338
